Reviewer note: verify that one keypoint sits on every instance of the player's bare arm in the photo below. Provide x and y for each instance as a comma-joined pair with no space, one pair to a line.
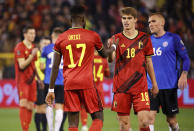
23,63
54,72
182,83
112,56
150,70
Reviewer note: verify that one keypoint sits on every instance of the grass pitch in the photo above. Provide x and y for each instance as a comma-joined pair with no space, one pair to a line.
9,121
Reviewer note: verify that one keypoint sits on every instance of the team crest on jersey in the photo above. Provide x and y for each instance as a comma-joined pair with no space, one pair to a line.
123,45
140,45
165,44
26,52
18,52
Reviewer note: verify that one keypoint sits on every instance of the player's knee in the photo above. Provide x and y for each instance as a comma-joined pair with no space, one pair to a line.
144,123
171,120
152,117
58,106
124,124
97,115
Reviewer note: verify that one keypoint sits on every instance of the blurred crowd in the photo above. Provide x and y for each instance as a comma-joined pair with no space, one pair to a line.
102,17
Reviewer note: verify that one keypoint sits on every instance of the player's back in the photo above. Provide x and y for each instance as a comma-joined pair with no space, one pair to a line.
77,47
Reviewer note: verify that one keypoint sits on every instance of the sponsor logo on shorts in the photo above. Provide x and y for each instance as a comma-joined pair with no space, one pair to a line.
147,103
173,110
115,104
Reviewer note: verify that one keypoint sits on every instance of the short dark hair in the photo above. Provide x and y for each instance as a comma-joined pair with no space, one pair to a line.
159,14
45,38
77,10
128,11
25,29
58,30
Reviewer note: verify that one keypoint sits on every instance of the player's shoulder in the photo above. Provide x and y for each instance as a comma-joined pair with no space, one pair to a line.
19,45
174,35
140,33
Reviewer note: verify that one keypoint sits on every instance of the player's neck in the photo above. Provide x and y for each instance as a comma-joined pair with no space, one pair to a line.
75,25
131,34
27,43
160,33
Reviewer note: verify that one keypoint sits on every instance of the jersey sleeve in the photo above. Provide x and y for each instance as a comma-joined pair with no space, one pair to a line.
19,52
98,42
148,50
182,52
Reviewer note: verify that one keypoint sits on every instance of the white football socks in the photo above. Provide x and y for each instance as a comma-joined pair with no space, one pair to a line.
49,117
58,119
151,127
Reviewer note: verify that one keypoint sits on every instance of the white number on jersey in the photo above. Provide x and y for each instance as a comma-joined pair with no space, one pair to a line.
51,56
158,51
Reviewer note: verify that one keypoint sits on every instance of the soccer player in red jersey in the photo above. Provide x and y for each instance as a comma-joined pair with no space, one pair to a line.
133,58
100,70
77,45
25,57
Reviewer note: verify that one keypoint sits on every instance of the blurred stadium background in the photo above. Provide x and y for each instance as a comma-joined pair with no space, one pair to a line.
102,17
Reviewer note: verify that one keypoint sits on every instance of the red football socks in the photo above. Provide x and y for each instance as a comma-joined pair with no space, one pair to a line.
145,129
97,125
23,118
84,117
73,129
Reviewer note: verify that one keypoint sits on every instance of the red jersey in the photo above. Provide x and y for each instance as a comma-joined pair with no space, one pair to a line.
130,65
77,48
100,70
25,77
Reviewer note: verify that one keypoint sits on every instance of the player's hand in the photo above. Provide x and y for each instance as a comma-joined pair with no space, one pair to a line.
182,83
112,41
34,51
115,41
50,98
154,90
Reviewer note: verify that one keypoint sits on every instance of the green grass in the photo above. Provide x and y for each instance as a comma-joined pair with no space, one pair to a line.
9,121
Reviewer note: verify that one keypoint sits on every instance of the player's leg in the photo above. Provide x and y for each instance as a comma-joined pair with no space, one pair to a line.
40,111
72,106
97,121
122,105
63,122
58,116
93,105
141,105
170,108
59,100
49,111
154,108
73,119
173,124
84,118
23,114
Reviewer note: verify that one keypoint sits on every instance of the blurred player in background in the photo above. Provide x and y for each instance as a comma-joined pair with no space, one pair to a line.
100,70
25,57
40,107
169,49
77,45
133,57
48,55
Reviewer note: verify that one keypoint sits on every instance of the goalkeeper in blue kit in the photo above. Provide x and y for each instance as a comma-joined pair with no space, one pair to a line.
169,50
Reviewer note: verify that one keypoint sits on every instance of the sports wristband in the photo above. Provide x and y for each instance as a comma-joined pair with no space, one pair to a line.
114,46
50,90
